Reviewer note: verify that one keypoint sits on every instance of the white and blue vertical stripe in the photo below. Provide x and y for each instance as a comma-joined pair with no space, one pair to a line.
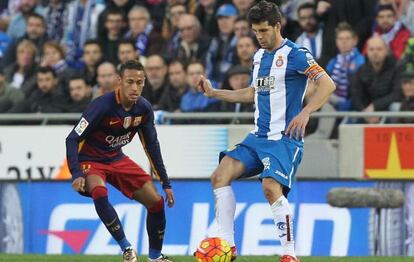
280,86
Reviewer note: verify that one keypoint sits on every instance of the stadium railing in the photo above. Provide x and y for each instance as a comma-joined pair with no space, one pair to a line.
165,117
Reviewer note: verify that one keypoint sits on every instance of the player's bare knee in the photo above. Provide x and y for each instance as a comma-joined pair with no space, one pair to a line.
272,190
218,179
269,193
155,205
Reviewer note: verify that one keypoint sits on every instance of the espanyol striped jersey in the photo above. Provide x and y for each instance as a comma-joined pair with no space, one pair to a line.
280,79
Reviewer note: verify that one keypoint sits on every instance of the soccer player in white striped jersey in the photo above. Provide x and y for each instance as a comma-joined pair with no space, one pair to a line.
280,74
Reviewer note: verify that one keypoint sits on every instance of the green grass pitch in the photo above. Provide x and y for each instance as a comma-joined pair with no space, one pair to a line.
84,258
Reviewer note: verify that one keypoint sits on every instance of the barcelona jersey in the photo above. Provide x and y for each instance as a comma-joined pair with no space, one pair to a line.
105,127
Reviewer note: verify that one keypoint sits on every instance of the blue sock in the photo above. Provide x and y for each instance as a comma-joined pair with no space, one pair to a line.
109,217
124,243
154,254
156,229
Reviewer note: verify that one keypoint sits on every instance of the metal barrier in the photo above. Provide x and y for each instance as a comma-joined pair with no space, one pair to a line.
164,117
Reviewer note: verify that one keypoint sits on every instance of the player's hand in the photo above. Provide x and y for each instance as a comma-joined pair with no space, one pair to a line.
298,124
204,85
79,184
169,197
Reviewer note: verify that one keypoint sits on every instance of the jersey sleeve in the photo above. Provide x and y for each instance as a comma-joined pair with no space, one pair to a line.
89,119
306,64
148,136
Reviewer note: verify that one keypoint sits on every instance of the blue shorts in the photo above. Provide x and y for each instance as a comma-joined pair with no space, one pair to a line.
276,159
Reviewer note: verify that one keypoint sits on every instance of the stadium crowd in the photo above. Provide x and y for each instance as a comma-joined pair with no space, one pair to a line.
58,55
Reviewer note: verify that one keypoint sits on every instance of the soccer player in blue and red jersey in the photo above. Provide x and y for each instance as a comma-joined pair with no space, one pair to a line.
95,157
281,73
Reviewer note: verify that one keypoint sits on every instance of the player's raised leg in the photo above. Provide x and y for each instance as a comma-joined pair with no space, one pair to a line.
154,202
228,170
106,212
283,217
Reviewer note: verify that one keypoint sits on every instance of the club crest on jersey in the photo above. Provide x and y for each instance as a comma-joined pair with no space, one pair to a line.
266,163
127,122
279,61
85,168
137,121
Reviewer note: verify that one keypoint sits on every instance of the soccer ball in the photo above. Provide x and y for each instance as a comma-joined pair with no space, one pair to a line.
213,249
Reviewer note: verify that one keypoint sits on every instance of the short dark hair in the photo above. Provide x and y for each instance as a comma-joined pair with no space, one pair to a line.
240,18
114,11
264,11
92,42
385,7
37,16
306,6
131,65
178,62
195,62
127,42
77,76
46,70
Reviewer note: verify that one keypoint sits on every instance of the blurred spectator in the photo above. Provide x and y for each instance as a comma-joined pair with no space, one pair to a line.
404,10
193,43
170,30
81,26
245,50
406,14
114,26
35,32
92,56
205,13
9,96
122,5
54,56
392,31
127,51
407,86
342,67
243,6
237,78
193,100
141,30
376,84
359,14
3,9
80,95
45,98
312,36
8,9
5,40
107,79
17,26
171,98
408,57
56,12
156,71
241,27
221,54
289,8
290,27
21,74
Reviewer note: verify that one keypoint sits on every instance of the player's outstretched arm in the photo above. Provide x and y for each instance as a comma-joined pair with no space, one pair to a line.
244,95
324,87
